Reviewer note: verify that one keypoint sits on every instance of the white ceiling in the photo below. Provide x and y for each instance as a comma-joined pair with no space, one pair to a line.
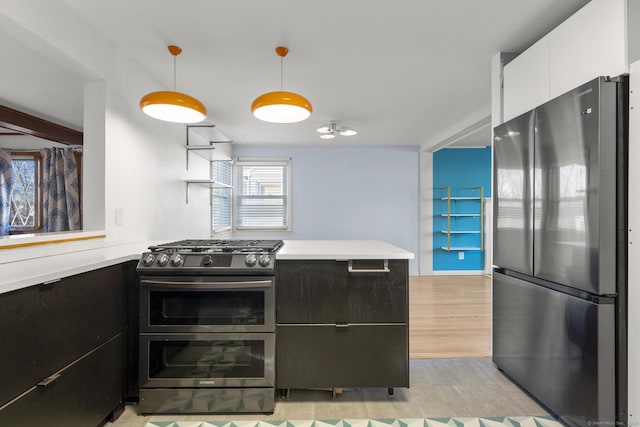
400,72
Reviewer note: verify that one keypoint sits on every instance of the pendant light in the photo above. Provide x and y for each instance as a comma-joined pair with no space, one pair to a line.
172,106
281,107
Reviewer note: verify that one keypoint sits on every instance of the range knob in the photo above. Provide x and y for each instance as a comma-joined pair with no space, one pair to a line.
250,260
148,259
163,259
264,260
207,260
177,260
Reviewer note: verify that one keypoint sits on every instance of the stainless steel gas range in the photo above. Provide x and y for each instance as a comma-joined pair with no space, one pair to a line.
207,326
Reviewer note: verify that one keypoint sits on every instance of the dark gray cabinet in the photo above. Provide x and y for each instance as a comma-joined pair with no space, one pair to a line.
342,324
63,356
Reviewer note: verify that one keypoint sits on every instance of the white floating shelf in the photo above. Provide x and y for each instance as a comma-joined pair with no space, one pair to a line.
459,198
460,215
205,183
461,248
460,232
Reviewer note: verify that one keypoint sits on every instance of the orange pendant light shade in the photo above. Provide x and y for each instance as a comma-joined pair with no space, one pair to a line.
281,106
172,106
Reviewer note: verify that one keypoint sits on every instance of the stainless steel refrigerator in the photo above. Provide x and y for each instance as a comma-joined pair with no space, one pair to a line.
559,280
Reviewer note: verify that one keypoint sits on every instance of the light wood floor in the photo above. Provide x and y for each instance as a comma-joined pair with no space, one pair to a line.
451,373
449,316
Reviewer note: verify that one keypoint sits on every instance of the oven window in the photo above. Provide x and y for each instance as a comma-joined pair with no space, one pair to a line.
206,359
207,308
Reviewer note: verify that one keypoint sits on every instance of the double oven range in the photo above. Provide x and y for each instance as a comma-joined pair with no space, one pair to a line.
207,326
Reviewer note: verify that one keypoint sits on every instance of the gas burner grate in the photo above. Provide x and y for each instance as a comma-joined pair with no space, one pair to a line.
214,245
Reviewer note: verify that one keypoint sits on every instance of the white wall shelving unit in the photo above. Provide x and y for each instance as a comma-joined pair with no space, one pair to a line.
207,132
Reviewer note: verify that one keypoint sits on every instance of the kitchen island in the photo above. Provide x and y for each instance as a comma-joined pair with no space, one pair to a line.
341,315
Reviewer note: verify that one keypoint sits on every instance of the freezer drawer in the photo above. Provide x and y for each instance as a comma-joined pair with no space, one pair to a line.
558,347
513,187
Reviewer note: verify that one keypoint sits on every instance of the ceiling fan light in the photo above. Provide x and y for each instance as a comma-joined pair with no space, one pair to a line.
348,132
324,129
328,135
173,107
281,107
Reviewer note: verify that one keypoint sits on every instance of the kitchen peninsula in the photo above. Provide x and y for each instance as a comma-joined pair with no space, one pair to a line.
342,315
339,303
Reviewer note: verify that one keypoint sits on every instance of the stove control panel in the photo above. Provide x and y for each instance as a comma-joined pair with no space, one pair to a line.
160,261
264,260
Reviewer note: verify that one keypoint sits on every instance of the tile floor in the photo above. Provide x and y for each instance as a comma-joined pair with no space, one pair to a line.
440,388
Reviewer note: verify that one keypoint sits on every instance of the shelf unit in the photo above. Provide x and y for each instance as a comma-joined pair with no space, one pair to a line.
451,214
205,183
210,133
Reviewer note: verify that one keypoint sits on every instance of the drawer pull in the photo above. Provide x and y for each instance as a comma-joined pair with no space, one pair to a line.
45,382
384,269
51,282
342,325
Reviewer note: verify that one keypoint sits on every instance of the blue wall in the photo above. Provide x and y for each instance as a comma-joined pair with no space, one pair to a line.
347,192
461,169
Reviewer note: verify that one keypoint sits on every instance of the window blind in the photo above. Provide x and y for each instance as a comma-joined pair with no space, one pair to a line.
262,194
221,172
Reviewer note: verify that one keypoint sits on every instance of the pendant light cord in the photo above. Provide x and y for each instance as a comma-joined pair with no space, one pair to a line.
174,73
281,72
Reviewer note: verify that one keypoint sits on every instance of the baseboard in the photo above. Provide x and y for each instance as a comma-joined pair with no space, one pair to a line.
458,273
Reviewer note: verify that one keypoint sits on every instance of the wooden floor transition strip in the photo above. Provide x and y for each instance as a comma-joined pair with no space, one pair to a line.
402,422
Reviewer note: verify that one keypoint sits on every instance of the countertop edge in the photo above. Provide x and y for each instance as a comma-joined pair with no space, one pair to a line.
33,271
341,250
36,270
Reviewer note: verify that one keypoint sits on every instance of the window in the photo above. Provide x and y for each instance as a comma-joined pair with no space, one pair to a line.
221,171
43,193
25,209
262,194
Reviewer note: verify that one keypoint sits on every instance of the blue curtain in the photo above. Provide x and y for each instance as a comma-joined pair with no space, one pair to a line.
6,182
60,190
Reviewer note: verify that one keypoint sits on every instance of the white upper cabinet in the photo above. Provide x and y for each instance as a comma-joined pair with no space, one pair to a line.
526,80
591,43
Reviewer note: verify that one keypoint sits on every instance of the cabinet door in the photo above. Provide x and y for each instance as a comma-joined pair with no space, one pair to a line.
46,327
311,291
377,295
330,292
330,356
83,395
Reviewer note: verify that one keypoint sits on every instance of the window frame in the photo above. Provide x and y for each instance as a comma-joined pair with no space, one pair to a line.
237,193
38,226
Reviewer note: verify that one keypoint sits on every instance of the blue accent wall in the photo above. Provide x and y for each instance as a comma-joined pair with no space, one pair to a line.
350,192
461,169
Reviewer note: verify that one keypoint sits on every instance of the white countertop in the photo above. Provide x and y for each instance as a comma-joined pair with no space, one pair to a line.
17,273
32,271
341,250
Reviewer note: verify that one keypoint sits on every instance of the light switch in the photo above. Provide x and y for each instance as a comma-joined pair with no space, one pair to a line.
119,214
460,255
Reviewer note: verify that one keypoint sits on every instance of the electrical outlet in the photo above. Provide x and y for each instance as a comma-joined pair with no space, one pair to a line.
460,255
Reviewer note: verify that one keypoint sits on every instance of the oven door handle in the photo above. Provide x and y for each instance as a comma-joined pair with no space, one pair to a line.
209,285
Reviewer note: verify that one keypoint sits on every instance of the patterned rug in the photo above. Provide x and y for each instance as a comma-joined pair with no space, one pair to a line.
405,422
